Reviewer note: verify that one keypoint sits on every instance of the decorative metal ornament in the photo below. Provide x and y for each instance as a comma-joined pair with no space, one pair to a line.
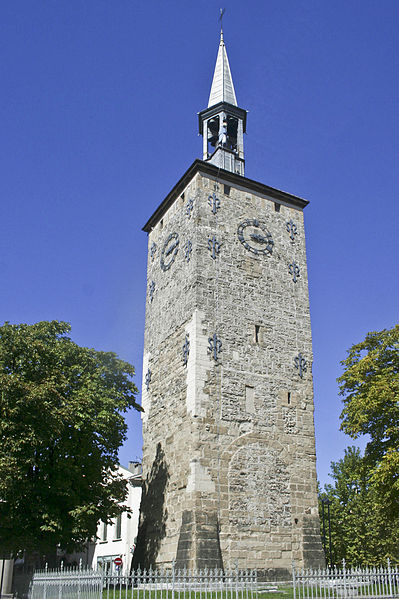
214,202
153,250
300,364
151,289
214,346
169,251
255,237
148,379
291,228
294,270
214,247
188,247
189,207
186,350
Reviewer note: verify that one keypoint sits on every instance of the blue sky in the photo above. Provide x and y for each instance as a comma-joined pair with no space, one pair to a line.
99,110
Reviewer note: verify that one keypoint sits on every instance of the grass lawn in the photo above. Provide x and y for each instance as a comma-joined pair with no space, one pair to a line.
285,592
282,593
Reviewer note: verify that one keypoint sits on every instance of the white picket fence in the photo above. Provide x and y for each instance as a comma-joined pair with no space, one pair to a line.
334,583
81,583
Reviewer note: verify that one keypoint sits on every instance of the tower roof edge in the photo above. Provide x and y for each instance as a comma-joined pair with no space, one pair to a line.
207,168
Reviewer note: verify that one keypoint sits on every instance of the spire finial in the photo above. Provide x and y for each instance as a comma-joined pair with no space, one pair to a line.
222,11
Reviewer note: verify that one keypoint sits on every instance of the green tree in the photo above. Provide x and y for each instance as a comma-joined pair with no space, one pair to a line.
362,532
61,423
370,386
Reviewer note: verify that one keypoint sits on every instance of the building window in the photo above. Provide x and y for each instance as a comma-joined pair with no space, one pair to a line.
257,333
277,207
118,527
104,532
227,190
212,134
289,397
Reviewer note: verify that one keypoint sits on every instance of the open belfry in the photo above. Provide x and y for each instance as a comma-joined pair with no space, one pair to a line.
229,448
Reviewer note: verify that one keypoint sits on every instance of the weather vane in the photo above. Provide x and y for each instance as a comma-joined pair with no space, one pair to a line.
222,11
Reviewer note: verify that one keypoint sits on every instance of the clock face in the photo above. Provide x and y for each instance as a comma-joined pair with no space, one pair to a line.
255,237
169,251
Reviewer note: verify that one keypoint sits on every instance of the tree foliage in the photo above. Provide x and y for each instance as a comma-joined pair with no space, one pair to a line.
370,386
61,423
362,531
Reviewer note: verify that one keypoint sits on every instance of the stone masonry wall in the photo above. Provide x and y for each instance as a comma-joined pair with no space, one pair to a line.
233,438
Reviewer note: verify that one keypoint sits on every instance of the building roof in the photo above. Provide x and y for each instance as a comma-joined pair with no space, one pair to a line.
222,89
226,177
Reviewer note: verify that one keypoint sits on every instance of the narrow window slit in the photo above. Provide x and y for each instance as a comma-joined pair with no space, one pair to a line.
249,399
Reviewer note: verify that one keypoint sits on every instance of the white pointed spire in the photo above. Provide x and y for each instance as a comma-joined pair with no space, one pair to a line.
222,89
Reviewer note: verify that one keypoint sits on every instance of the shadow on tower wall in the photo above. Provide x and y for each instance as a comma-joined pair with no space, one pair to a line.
153,514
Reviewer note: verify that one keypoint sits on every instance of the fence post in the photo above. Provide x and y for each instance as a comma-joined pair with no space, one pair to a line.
173,579
80,577
389,577
293,578
45,581
344,576
60,581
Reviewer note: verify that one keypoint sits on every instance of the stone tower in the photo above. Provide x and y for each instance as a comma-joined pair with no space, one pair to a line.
229,446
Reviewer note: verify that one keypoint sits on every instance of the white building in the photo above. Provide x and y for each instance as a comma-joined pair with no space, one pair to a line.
118,539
